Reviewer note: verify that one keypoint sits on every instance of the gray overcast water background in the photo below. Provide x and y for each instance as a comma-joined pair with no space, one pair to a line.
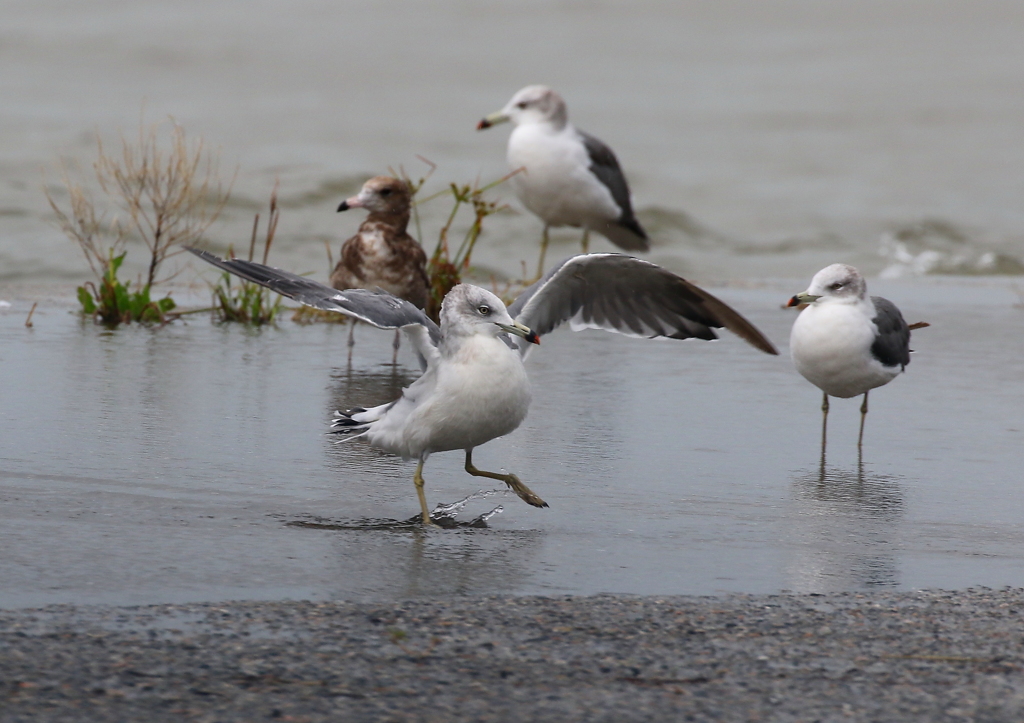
759,139
762,142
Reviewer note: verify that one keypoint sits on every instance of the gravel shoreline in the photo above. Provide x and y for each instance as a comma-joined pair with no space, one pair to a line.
919,656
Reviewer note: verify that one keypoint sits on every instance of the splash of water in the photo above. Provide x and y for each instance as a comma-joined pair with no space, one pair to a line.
445,514
481,520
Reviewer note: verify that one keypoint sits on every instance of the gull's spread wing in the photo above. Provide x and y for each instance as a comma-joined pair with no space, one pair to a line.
620,293
376,307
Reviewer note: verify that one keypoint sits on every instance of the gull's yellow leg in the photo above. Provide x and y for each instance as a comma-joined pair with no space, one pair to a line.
417,478
525,493
863,416
585,241
543,253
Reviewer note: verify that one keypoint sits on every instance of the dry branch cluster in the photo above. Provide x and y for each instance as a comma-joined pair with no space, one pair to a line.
163,190
170,197
162,193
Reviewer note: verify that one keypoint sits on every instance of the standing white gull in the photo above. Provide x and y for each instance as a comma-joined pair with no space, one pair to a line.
474,385
845,342
382,254
570,178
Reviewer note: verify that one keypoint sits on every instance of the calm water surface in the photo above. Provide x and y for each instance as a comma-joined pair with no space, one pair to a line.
190,463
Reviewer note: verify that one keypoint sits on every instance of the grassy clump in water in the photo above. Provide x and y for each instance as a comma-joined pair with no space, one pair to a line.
445,268
113,302
168,194
244,301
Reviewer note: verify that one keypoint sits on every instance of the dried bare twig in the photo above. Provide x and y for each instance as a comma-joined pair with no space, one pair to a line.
171,196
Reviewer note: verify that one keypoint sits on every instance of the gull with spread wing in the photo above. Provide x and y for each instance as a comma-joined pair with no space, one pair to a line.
474,385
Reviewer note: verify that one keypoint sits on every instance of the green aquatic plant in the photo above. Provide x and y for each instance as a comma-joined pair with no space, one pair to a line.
445,268
112,301
246,302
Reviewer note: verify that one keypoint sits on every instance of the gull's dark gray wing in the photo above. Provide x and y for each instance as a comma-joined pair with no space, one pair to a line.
892,345
605,166
630,296
376,307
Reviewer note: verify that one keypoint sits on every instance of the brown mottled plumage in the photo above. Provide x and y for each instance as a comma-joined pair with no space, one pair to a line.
382,254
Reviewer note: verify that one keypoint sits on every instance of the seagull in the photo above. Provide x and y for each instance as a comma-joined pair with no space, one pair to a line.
382,254
474,385
845,342
570,178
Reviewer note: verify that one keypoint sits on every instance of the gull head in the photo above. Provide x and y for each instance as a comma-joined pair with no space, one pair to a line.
838,282
532,104
469,310
382,195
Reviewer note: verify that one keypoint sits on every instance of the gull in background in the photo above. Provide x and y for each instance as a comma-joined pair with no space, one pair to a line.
845,342
474,385
382,254
570,178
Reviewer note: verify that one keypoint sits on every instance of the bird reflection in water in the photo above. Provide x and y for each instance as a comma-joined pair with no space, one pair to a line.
349,385
845,526
444,515
399,559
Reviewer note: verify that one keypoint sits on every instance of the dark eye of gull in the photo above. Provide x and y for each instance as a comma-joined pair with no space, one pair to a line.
522,105
837,285
385,192
484,309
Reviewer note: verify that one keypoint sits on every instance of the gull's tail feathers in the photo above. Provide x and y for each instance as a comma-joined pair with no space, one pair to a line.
627,234
357,421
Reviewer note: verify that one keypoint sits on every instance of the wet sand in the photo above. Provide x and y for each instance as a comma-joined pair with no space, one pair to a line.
923,656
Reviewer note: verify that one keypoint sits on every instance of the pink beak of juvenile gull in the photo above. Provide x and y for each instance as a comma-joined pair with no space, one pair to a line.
348,203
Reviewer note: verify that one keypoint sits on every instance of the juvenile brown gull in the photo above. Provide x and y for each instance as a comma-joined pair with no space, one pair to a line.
474,385
570,177
382,254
